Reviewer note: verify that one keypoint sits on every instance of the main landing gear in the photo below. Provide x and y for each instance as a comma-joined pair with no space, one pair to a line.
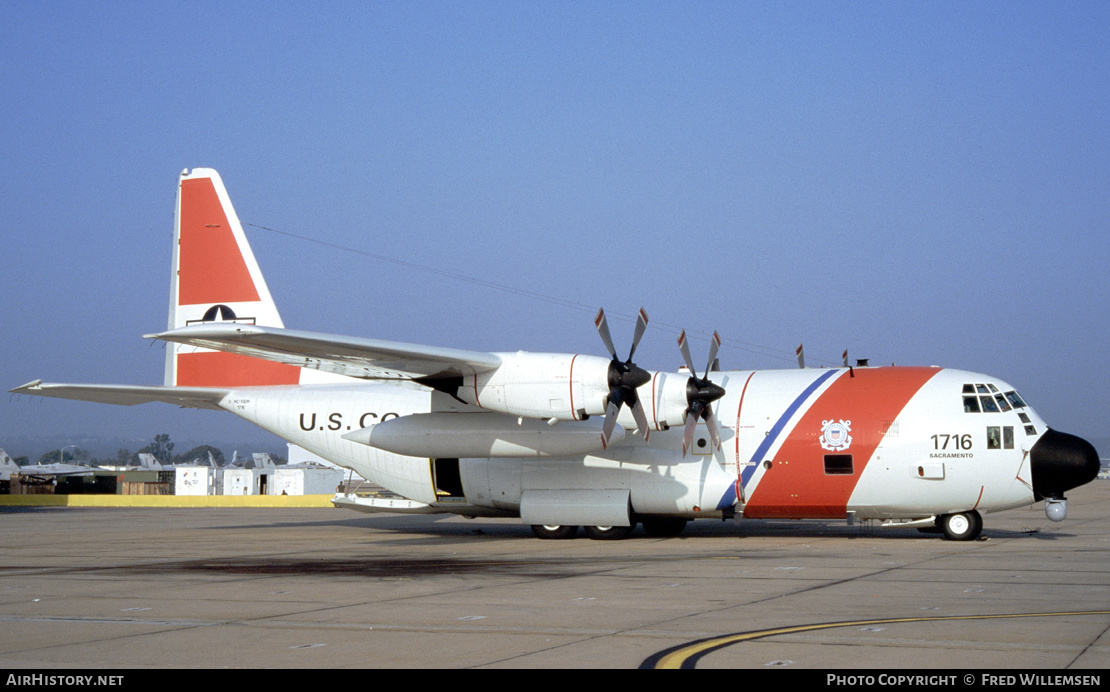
656,527
598,533
554,531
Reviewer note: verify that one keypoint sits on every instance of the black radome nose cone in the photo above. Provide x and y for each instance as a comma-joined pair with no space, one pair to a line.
1061,462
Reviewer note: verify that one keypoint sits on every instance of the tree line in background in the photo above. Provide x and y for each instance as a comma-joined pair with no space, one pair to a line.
161,448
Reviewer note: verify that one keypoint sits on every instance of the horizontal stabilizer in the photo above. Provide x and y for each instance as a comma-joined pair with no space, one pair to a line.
372,359
127,395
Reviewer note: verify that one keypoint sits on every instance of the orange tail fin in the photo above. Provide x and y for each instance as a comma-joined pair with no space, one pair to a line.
216,279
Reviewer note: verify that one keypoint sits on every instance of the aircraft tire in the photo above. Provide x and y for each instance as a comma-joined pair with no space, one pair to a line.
608,533
663,527
962,526
554,532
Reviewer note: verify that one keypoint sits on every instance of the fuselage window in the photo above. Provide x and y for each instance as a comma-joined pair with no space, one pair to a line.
1002,402
1016,400
988,404
1000,437
971,404
838,465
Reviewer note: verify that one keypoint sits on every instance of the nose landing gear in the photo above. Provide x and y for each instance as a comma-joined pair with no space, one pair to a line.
962,526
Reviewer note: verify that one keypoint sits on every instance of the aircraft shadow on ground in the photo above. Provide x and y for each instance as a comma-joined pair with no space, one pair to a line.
421,528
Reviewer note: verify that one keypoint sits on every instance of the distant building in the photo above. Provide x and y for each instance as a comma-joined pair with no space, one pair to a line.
299,456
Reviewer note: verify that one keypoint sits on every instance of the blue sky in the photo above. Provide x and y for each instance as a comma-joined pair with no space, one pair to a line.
920,183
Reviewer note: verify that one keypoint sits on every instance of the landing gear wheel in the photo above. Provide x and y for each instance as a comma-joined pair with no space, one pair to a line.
608,533
964,526
554,532
663,527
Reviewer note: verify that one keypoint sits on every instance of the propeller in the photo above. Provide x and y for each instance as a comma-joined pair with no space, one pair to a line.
700,394
623,379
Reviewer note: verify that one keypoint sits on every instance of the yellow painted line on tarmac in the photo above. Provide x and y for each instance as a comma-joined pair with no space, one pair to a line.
166,501
686,656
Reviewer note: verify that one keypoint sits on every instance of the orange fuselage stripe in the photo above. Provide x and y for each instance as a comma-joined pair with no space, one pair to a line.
797,485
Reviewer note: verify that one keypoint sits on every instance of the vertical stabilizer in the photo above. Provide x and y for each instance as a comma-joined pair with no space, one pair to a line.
215,278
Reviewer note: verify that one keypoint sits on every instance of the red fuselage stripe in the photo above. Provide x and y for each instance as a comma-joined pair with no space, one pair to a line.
570,386
865,405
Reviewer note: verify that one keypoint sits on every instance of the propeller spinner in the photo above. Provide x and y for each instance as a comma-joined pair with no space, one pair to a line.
624,378
700,394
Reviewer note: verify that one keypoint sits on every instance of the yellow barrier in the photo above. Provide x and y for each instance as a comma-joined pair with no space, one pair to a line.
247,501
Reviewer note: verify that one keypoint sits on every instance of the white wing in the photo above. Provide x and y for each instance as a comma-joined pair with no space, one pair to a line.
372,359
127,395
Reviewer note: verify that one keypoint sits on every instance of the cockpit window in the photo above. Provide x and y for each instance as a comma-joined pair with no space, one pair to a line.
984,397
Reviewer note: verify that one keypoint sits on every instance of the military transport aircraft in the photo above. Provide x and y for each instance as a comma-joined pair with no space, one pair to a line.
576,440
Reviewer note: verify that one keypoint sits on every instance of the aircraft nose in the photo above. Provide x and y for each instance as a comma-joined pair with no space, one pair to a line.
1061,462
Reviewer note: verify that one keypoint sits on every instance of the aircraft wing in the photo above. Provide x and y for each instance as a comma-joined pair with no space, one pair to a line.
128,395
372,359
43,470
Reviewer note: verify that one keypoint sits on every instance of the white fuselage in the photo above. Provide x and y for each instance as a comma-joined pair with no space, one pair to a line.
873,443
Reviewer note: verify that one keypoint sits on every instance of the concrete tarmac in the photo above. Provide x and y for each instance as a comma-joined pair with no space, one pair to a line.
332,589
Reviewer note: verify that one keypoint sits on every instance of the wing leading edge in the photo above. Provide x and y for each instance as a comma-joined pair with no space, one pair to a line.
127,395
371,359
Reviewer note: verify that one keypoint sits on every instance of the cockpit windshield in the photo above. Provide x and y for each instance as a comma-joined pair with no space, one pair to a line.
987,398
984,397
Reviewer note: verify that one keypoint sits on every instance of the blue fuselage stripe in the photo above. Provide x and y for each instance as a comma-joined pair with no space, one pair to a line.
729,497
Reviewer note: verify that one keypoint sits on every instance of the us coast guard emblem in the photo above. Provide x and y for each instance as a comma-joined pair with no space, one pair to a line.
834,435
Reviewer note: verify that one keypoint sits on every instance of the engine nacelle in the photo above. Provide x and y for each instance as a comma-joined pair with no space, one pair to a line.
668,399
548,386
568,387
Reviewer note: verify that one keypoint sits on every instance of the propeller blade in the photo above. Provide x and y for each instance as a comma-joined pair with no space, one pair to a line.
623,379
703,412
700,394
610,422
603,330
641,326
641,418
684,346
714,346
691,424
711,423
